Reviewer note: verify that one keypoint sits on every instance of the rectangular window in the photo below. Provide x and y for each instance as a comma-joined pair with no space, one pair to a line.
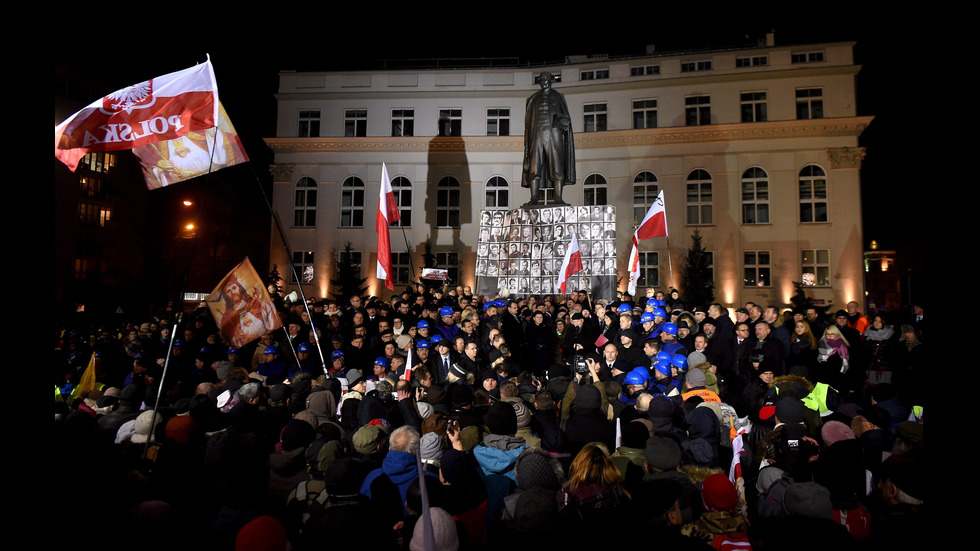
352,203
644,113
450,122
303,262
752,61
402,190
649,270
645,190
754,108
813,199
403,122
309,123
807,57
710,262
755,197
447,203
94,215
355,123
594,74
699,211
695,66
758,269
89,268
401,267
697,110
643,70
498,121
99,162
595,117
809,103
816,267
91,187
449,262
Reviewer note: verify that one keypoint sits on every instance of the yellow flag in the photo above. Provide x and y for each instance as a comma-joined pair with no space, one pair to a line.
87,382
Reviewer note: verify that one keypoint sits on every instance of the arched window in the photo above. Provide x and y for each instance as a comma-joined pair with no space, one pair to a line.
447,202
645,190
595,189
498,193
304,213
402,189
813,194
755,196
352,203
699,210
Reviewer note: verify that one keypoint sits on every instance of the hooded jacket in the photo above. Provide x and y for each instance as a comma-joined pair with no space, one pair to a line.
497,456
400,468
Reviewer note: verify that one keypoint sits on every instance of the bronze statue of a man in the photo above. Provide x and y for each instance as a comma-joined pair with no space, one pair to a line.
549,150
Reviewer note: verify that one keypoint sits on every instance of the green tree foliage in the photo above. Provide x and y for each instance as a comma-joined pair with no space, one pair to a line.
696,288
349,281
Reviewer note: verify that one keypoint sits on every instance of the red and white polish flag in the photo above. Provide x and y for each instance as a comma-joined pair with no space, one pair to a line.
571,265
387,214
654,224
634,268
155,110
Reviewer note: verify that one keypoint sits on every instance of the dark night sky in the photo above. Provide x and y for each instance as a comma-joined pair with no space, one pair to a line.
247,62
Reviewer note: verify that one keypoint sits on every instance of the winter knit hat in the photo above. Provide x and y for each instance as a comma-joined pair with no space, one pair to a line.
835,431
523,414
430,446
789,410
662,453
445,537
587,397
534,470
808,499
694,378
719,493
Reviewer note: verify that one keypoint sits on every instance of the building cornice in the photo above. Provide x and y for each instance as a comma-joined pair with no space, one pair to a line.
816,128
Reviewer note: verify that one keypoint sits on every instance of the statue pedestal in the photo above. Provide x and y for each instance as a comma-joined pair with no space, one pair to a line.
522,250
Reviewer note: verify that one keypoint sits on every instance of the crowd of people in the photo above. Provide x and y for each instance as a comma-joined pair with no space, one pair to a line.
501,423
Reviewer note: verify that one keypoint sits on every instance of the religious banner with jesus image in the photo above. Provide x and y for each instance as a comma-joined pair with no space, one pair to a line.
241,306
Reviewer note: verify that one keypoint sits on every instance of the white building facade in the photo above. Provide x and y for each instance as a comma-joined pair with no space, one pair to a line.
757,148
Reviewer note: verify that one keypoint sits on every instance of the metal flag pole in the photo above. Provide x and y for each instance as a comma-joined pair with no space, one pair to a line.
408,249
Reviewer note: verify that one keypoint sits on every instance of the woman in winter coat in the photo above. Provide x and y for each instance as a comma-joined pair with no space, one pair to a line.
833,354
594,490
879,344
802,348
